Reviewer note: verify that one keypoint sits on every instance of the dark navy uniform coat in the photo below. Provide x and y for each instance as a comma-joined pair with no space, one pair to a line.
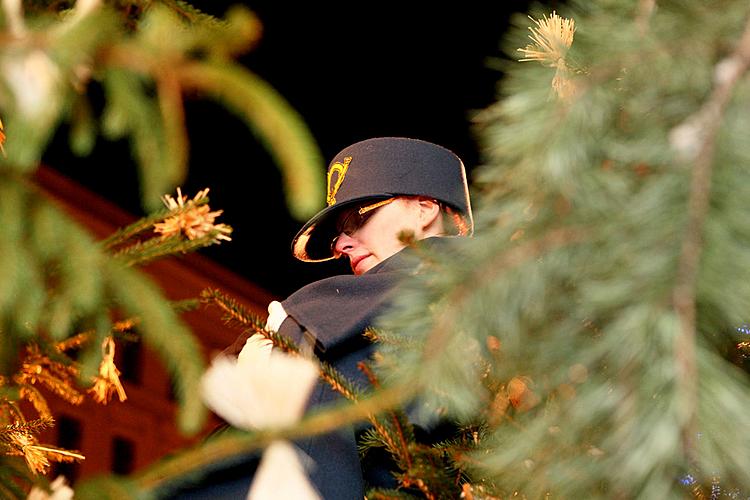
330,316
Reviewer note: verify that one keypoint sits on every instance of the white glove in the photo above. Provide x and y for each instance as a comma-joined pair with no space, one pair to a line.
276,316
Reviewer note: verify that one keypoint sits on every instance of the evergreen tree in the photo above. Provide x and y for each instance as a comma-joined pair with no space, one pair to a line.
588,341
65,298
610,264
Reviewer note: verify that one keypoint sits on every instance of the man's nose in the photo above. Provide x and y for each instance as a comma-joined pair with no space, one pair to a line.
344,243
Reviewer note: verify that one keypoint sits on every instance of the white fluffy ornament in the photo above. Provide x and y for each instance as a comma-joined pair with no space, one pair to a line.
260,389
59,490
281,476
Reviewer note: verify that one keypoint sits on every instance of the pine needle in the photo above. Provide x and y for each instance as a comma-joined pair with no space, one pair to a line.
552,38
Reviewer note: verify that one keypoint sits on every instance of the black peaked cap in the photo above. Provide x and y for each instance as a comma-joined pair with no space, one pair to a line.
381,168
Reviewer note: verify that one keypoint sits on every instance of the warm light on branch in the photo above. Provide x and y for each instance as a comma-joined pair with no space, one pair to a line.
552,38
195,220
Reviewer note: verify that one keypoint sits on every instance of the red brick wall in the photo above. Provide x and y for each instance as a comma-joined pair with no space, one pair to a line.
145,423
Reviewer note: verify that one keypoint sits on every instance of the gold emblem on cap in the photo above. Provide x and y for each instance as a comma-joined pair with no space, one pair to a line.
340,170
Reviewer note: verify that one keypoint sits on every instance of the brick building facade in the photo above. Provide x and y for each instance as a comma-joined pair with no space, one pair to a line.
128,436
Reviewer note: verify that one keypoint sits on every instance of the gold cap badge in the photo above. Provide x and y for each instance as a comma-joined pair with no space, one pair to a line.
340,170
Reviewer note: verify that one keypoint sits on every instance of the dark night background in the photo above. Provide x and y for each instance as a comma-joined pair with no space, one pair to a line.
353,71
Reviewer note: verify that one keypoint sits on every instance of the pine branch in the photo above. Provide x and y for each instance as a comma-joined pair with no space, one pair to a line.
372,335
237,314
191,13
703,125
524,252
421,466
58,377
399,445
185,305
388,494
142,225
73,342
31,426
420,484
132,111
377,336
338,382
172,110
233,310
20,440
120,329
369,439
59,454
179,217
37,400
55,278
14,478
140,254
12,413
161,329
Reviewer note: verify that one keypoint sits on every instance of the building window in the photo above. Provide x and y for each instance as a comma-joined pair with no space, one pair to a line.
123,455
172,390
128,360
69,431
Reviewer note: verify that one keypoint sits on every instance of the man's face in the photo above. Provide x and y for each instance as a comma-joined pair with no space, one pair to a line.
371,238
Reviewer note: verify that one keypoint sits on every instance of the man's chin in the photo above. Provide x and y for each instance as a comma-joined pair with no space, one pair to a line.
363,265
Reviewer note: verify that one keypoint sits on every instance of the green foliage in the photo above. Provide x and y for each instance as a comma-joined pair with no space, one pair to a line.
418,467
146,56
59,282
386,494
15,477
59,285
42,289
580,332
167,335
609,270
610,254
111,487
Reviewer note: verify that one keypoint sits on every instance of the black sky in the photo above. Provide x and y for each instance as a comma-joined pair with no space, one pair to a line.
352,70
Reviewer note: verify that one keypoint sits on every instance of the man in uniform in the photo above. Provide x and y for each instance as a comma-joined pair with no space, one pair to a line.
382,192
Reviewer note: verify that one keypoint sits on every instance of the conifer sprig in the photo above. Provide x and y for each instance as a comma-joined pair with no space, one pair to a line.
144,225
18,439
56,278
142,253
552,38
236,314
705,124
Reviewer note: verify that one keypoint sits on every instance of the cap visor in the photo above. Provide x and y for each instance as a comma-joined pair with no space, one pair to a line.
314,242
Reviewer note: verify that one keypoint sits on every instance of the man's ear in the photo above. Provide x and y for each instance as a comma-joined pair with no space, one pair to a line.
429,213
